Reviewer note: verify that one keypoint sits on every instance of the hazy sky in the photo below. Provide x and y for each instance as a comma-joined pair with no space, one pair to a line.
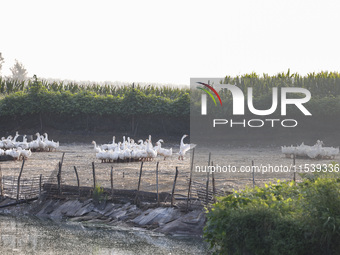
168,42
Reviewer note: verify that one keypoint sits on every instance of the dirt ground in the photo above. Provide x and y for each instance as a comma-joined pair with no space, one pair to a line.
125,175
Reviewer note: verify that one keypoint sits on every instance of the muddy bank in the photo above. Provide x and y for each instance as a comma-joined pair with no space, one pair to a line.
166,220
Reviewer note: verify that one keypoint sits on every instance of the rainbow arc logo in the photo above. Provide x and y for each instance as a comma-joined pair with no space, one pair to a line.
209,93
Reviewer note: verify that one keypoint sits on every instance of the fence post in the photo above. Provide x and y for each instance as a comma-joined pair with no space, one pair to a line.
157,183
18,187
62,158
112,182
207,189
190,178
207,184
213,184
75,170
1,188
173,188
59,179
59,173
252,164
294,177
94,175
139,180
40,185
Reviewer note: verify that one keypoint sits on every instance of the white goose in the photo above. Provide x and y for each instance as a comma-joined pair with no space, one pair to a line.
13,153
96,148
162,151
2,142
150,151
113,155
8,143
34,145
184,148
25,154
24,145
50,145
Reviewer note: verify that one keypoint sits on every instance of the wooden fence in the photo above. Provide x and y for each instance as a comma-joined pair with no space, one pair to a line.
55,186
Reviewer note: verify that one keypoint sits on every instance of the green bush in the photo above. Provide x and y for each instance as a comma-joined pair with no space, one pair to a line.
98,194
280,218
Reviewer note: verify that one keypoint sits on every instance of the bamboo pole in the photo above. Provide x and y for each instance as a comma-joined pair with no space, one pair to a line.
190,178
18,187
173,188
139,180
78,184
157,183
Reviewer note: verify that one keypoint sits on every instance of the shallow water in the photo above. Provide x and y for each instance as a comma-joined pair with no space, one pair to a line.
34,236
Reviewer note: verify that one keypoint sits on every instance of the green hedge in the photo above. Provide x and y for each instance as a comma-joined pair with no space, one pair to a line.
39,100
280,218
36,96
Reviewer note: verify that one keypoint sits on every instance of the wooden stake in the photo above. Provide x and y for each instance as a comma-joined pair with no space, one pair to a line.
1,188
207,184
40,185
94,175
209,158
294,177
157,183
173,188
207,189
140,178
62,158
213,183
18,187
59,179
75,170
112,182
252,164
190,179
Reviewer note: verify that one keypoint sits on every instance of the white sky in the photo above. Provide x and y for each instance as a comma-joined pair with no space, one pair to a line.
168,42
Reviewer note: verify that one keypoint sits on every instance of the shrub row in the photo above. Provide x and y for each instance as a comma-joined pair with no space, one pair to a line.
39,97
39,100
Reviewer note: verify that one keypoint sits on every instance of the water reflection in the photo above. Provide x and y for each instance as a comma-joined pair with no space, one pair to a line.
34,236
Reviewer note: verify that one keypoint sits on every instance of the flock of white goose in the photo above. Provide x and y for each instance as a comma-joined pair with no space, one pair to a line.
315,151
128,150
16,150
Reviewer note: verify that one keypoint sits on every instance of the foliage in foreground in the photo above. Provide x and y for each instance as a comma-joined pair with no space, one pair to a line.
98,194
280,218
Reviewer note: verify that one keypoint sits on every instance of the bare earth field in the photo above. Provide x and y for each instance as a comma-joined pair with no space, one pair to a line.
125,175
